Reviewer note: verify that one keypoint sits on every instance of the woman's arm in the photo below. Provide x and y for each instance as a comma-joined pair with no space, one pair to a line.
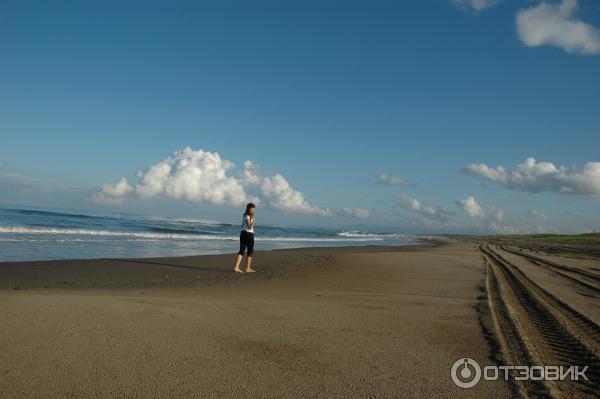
250,222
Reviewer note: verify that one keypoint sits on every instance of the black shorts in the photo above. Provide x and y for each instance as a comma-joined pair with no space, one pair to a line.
246,241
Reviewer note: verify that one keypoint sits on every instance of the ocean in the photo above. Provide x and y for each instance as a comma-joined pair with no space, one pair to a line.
36,233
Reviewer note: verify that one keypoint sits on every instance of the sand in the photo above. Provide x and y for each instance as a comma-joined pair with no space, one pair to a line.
365,322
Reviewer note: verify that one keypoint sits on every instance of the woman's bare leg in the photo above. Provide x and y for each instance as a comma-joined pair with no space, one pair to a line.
238,260
248,263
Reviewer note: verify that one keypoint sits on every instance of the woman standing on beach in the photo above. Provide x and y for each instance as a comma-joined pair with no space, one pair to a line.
246,239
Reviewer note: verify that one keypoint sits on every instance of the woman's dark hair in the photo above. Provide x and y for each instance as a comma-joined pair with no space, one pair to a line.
249,206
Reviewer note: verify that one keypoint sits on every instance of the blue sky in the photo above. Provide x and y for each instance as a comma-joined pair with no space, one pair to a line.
327,94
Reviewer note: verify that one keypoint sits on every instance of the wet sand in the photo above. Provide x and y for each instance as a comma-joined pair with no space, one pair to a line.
380,322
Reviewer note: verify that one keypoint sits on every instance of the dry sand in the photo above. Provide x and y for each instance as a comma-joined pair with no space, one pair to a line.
384,322
543,313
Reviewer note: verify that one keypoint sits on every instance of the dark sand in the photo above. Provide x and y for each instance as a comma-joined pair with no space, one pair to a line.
384,322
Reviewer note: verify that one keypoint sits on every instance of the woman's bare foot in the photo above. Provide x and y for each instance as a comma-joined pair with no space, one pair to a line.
250,271
238,271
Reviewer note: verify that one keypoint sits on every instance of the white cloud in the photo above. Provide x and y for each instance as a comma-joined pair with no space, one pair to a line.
201,176
275,192
198,176
14,183
504,228
535,177
251,173
390,180
499,222
476,5
278,194
500,216
119,189
540,216
15,178
432,213
112,194
471,207
556,25
356,213
486,219
491,219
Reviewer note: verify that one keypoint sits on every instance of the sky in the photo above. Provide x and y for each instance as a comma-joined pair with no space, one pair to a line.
440,116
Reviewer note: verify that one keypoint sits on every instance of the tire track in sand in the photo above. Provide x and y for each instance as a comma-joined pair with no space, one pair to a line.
574,274
534,328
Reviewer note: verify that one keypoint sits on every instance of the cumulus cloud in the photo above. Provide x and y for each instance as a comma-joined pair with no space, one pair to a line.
279,195
482,219
540,216
499,222
498,226
391,180
432,213
202,176
112,194
491,219
535,177
476,5
198,176
275,192
356,213
471,207
556,25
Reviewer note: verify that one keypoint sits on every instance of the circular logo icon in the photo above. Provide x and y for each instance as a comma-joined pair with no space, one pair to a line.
465,372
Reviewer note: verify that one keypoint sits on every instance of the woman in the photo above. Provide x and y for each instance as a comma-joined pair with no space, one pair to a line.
246,239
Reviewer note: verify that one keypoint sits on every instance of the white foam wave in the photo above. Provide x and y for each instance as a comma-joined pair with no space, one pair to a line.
105,233
358,234
186,220
48,231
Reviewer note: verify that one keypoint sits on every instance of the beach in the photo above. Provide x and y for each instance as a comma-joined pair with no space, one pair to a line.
369,322
416,182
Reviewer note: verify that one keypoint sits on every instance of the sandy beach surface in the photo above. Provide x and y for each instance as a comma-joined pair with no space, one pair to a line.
360,322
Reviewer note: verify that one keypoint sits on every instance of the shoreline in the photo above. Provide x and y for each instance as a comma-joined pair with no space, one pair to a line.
198,271
232,250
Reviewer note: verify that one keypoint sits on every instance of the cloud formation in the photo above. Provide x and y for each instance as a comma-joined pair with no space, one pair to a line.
539,216
198,176
494,219
532,176
202,176
15,178
276,193
471,207
499,222
390,180
112,194
432,213
556,25
476,5
358,213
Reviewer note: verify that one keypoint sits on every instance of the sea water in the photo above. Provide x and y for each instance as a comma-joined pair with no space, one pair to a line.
34,233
